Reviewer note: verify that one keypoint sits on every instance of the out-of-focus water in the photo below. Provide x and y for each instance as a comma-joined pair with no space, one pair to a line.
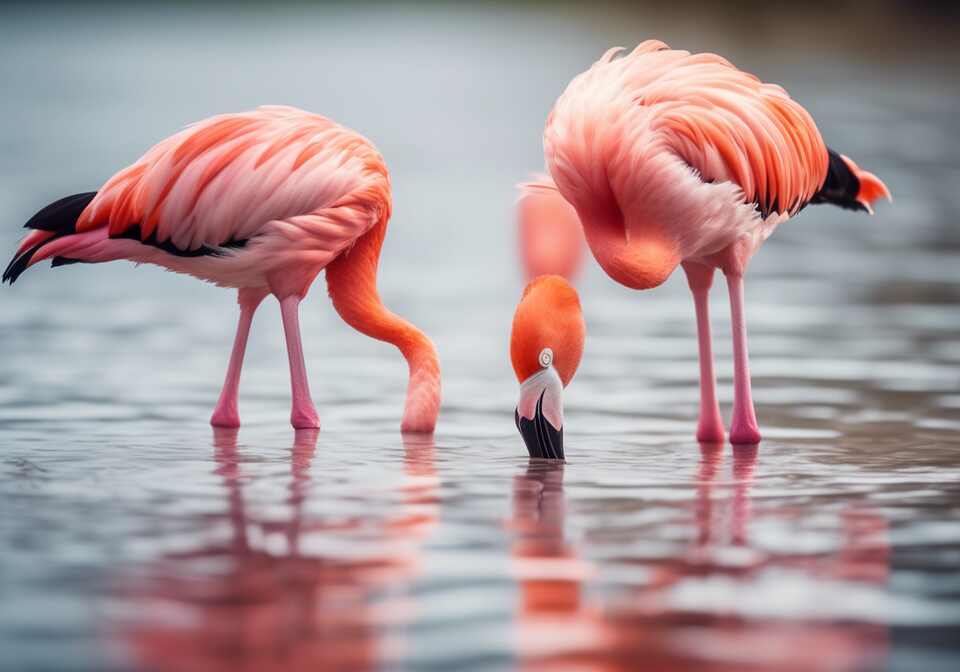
133,537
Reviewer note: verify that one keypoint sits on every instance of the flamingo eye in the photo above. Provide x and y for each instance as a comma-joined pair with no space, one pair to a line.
546,357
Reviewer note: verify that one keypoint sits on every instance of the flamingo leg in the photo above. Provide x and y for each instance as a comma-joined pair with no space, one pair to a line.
710,425
226,413
303,414
744,428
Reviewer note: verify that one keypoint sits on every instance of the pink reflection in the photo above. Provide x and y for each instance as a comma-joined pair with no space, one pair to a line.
261,601
559,627
554,619
733,515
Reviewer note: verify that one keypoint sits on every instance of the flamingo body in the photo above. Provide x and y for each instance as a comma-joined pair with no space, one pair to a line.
260,201
234,197
673,158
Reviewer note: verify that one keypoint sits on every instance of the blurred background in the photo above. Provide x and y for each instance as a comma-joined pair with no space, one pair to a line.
134,538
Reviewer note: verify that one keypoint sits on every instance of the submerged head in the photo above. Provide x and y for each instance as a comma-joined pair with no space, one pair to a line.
545,347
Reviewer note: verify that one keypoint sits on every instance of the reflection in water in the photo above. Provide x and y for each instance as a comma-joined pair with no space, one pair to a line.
255,604
711,458
552,618
856,342
661,625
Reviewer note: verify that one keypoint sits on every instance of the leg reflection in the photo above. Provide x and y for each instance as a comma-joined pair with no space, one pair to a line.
267,585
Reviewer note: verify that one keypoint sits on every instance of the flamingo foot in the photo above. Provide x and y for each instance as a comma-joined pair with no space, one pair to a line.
710,429
304,417
744,433
225,416
417,426
744,429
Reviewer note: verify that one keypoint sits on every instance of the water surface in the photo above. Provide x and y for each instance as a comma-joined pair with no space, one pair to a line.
135,537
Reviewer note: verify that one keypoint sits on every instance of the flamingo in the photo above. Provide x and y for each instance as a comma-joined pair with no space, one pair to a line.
671,158
546,344
259,201
550,238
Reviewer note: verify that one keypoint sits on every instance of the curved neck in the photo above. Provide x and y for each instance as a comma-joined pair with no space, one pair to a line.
546,383
352,282
639,260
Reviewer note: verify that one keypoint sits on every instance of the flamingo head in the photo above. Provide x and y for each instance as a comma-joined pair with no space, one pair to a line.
545,347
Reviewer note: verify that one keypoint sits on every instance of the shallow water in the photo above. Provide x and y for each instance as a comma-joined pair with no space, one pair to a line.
136,538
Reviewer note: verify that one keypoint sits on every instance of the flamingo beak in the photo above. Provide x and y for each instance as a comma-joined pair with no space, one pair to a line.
539,415
541,437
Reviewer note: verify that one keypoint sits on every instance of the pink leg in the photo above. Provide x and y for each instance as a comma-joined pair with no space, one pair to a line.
743,428
710,426
303,415
227,414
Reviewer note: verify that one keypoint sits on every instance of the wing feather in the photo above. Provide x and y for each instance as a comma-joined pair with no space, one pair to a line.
234,176
725,123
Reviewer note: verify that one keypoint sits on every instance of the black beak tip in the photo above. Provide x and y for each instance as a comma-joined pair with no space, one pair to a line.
541,438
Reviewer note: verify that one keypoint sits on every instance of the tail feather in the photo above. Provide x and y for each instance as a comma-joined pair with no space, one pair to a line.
19,264
52,222
850,187
61,216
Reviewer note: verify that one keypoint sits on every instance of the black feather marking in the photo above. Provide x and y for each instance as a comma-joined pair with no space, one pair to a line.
134,233
64,261
58,218
771,207
61,216
19,264
841,185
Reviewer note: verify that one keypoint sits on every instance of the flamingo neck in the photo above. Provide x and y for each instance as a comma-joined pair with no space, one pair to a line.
351,279
422,405
639,258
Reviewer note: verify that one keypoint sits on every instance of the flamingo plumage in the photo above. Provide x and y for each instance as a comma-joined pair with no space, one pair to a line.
259,201
671,158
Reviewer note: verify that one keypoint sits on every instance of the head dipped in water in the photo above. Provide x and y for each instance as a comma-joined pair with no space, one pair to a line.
546,344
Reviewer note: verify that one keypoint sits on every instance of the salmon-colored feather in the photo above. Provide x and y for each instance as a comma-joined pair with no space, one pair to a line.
167,192
217,166
33,238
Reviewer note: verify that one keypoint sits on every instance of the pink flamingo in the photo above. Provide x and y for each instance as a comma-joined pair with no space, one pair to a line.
550,237
260,201
546,344
674,158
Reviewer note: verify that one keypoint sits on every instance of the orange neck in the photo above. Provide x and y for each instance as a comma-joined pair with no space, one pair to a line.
636,261
352,282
